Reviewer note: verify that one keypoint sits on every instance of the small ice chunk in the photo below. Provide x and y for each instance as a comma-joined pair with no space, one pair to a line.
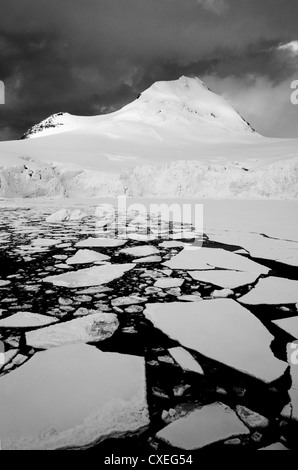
208,425
169,282
100,243
186,360
88,329
142,250
87,257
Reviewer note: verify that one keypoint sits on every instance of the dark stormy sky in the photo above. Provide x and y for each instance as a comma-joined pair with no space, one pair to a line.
94,56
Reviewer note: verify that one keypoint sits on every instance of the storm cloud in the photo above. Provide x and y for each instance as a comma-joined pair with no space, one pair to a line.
94,56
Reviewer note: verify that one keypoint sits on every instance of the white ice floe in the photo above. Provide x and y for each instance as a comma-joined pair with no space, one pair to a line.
4,283
272,291
148,259
142,250
275,446
131,300
140,237
208,258
44,242
72,396
100,243
87,257
66,215
190,298
77,215
168,282
222,293
183,236
222,330
186,360
26,320
89,329
291,409
208,425
260,246
290,325
225,279
172,244
59,216
88,277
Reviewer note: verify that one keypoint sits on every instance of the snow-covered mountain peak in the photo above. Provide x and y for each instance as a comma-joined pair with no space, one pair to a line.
51,125
184,107
190,98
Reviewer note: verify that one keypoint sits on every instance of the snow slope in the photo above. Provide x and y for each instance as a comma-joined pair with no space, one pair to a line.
177,139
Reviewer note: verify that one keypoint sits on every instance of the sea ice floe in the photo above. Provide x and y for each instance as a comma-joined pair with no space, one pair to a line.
142,250
196,258
208,425
72,396
291,409
88,277
183,235
4,283
260,246
141,237
45,242
275,446
224,278
89,329
191,298
222,293
172,244
222,330
186,360
131,300
148,259
272,291
65,215
87,257
169,282
100,243
290,325
26,320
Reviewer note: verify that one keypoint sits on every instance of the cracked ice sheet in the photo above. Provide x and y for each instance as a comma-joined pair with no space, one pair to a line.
208,425
272,291
95,276
55,401
209,258
222,330
259,246
225,279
